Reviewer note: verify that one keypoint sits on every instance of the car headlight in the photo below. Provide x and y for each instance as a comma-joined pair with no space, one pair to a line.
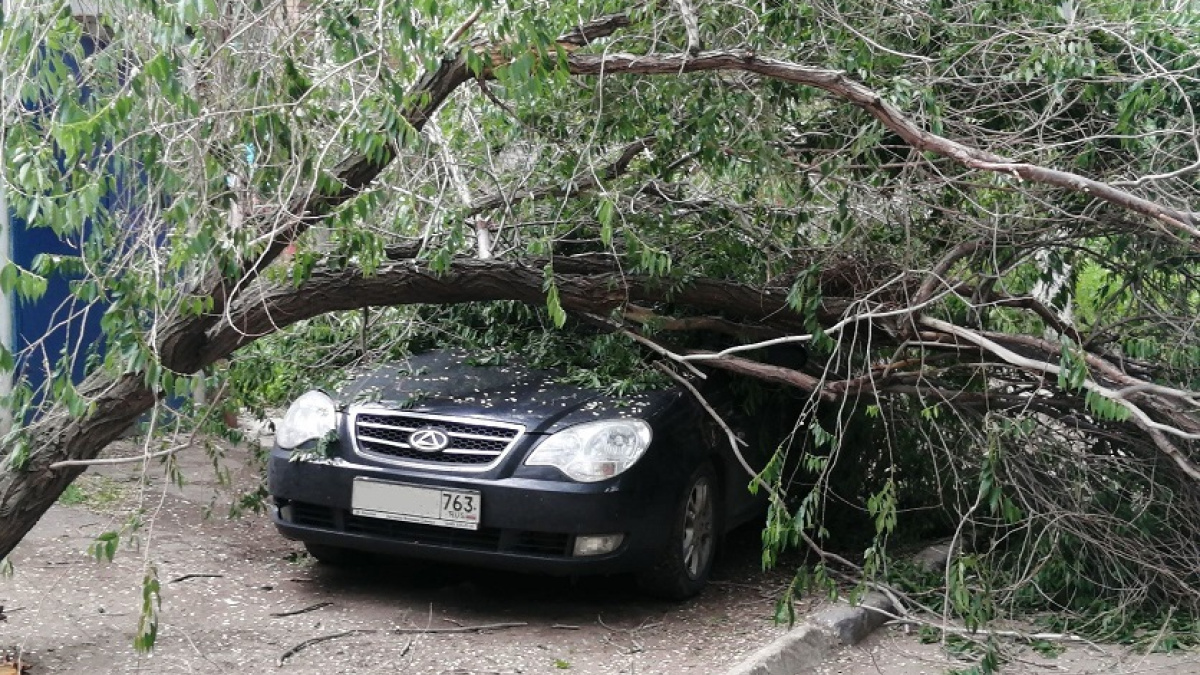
310,417
595,450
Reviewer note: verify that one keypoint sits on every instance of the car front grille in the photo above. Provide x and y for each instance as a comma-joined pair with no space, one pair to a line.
546,544
474,444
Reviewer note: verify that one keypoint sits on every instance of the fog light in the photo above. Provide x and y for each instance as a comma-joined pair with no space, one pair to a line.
285,513
597,544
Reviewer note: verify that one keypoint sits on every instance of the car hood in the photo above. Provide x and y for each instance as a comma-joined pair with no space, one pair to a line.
446,383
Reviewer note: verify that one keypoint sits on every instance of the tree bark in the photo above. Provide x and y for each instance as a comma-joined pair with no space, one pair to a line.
27,492
595,287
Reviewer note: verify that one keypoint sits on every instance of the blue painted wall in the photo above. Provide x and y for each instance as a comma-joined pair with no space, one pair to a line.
57,320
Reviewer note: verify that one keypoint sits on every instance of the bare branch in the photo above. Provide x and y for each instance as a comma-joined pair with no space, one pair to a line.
590,182
1155,429
1183,225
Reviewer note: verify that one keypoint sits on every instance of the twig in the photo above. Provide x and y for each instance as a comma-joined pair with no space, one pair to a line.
618,167
647,623
317,640
641,339
201,653
901,601
196,576
121,460
310,608
1162,630
636,644
662,351
458,629
983,632
564,626
831,331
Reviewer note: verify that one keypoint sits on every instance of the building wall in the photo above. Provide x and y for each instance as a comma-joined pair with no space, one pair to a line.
56,322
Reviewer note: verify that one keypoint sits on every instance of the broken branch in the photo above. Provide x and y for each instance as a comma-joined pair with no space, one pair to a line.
303,610
318,640
459,629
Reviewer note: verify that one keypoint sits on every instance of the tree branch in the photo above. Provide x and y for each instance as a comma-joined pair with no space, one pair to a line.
590,182
588,285
1182,224
715,324
181,341
1155,430
766,372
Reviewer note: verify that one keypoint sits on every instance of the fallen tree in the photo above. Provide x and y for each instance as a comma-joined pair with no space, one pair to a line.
980,227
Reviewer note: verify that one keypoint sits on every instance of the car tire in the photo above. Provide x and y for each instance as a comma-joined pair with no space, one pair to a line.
683,566
333,556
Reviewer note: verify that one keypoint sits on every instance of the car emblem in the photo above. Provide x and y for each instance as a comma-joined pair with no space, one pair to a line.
428,439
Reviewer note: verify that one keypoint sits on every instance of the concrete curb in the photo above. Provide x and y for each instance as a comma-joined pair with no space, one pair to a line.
808,643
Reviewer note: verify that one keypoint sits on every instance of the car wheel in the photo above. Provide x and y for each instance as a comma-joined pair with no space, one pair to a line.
334,556
684,565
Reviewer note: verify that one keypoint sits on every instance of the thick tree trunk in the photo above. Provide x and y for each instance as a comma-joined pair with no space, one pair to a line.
595,287
26,492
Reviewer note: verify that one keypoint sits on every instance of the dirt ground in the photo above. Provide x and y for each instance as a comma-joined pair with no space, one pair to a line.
893,651
224,581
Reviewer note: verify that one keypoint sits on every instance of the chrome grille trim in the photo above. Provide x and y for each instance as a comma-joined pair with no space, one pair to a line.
452,434
506,435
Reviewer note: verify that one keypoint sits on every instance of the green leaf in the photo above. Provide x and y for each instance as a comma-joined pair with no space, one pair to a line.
604,214
8,277
147,629
557,314
105,546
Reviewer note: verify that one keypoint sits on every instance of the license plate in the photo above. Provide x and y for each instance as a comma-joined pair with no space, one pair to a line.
414,504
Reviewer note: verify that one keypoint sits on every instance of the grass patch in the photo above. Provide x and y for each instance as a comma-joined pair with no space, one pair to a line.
98,493
72,496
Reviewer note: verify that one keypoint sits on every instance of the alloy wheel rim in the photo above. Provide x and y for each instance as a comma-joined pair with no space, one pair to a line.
698,528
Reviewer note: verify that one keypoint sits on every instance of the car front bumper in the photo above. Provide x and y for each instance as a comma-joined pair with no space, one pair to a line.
526,524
